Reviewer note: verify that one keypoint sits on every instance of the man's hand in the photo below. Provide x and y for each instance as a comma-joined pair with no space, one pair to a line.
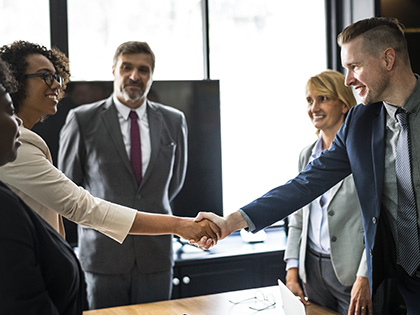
219,221
293,285
360,301
233,222
195,232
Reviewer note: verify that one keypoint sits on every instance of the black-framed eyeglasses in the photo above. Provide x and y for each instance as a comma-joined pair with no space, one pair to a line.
48,77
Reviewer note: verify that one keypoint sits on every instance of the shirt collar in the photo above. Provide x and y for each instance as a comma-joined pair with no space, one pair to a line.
391,109
411,105
124,110
317,149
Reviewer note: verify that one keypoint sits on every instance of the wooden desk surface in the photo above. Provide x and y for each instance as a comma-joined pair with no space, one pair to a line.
214,304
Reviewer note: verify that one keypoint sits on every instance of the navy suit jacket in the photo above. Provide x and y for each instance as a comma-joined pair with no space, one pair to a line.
359,148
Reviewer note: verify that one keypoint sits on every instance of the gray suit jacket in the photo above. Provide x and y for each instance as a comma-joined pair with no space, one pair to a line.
345,227
93,155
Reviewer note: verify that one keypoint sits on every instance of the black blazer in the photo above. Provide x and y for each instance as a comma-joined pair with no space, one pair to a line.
39,272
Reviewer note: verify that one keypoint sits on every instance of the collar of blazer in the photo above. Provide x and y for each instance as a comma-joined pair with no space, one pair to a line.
307,153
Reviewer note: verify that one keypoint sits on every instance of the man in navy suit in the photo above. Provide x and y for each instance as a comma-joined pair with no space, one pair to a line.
374,53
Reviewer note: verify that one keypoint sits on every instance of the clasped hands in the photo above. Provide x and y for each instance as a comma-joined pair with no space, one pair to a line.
210,228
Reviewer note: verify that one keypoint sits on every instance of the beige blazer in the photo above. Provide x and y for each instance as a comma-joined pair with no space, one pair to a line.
345,226
45,189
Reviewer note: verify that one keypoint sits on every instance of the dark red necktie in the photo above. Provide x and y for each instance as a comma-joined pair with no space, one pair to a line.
135,152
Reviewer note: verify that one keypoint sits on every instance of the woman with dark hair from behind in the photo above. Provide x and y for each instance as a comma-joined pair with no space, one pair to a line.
39,272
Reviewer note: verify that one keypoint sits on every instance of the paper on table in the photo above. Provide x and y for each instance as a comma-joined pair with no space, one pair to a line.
291,304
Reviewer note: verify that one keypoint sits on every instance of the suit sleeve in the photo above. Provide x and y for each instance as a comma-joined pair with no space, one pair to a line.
181,159
319,176
22,285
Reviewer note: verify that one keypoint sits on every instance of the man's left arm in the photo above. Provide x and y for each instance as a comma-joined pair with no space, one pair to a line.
181,158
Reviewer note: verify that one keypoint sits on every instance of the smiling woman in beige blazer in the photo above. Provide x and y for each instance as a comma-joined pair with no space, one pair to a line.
325,244
42,75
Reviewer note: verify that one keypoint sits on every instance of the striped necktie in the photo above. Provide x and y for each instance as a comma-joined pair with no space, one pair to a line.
408,252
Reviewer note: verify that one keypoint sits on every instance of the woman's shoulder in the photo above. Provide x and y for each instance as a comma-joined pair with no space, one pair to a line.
306,151
13,210
28,136
33,142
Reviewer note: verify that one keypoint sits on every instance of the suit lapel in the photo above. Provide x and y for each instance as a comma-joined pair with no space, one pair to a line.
155,126
335,189
110,118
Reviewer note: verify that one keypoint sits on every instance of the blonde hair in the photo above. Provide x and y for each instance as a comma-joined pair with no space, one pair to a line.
330,83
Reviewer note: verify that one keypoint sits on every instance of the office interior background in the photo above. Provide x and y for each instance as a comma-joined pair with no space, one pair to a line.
262,52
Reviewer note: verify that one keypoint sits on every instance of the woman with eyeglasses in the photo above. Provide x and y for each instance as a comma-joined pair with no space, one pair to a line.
39,273
42,75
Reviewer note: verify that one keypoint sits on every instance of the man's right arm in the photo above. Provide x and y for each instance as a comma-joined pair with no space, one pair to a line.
71,150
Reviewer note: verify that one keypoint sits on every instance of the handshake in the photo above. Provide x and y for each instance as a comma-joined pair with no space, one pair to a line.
207,228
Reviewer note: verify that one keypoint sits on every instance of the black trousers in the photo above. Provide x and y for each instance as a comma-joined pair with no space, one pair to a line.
409,288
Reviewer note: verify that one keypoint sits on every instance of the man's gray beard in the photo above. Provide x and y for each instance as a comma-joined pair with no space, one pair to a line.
132,98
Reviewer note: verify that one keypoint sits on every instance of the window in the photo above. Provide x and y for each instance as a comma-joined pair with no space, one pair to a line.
173,29
19,21
264,52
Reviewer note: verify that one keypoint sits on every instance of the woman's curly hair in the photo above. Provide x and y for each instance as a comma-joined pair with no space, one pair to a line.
6,78
15,55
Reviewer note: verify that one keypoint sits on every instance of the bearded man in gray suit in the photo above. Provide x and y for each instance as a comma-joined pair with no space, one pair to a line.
98,151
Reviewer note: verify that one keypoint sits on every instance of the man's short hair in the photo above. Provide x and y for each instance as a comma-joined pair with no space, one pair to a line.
134,47
378,33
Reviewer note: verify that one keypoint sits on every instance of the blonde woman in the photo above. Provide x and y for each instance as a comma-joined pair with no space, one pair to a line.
325,244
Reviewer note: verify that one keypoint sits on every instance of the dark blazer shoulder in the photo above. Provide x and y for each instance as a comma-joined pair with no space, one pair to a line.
362,111
86,113
85,109
166,110
171,117
10,213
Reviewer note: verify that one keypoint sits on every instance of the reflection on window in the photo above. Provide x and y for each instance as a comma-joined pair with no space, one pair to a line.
19,21
264,52
172,28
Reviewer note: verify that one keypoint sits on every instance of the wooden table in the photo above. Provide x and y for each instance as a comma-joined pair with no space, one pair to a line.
214,304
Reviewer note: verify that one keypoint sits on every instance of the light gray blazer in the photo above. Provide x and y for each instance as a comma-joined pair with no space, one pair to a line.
93,155
345,227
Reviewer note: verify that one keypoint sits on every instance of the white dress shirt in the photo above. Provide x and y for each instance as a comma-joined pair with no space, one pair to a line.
123,117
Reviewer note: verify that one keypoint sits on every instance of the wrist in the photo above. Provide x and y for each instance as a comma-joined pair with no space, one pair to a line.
292,275
180,226
235,221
